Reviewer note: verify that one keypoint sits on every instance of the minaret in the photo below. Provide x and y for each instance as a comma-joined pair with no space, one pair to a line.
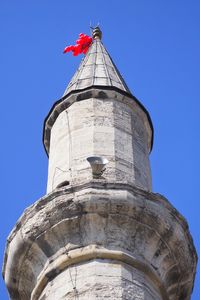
99,232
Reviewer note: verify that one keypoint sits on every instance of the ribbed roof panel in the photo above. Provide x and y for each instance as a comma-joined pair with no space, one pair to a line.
96,68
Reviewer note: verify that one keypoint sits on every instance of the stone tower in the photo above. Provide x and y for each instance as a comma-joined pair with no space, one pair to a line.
101,235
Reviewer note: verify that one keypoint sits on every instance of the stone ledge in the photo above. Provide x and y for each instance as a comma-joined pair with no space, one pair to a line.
98,184
94,252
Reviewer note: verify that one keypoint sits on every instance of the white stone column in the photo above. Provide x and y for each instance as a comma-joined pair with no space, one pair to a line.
114,127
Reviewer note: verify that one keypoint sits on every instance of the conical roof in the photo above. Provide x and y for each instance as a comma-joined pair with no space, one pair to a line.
96,69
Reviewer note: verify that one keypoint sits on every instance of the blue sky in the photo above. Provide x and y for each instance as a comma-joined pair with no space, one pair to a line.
156,46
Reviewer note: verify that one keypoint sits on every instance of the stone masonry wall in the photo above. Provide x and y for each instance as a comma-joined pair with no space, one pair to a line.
100,279
104,222
103,127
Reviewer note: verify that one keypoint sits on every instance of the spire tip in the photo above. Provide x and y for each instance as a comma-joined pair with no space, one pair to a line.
96,33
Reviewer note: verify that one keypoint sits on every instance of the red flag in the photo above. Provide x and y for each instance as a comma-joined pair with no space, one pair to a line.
82,45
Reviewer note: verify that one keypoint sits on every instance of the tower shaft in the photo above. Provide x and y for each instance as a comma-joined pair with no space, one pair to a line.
105,124
107,236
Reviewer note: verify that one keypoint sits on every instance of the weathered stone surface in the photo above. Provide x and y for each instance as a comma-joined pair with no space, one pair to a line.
125,223
100,279
111,128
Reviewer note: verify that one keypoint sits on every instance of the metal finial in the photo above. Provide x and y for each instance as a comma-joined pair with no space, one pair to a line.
96,33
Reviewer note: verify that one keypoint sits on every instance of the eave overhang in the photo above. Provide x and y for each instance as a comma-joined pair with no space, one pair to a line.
94,91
